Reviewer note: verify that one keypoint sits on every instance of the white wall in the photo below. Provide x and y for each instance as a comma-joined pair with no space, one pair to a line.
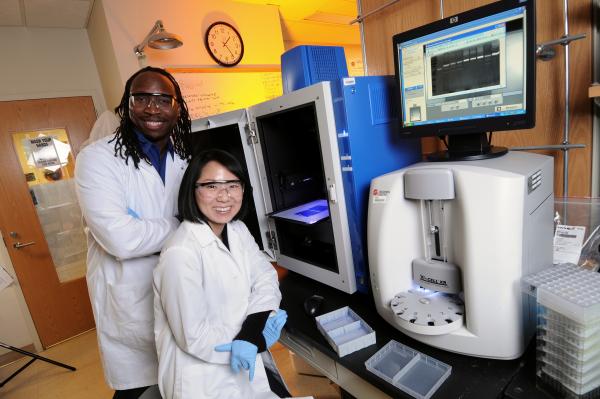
17,327
123,24
47,63
40,63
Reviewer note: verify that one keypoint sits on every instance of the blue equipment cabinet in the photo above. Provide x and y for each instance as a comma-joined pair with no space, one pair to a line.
310,153
303,66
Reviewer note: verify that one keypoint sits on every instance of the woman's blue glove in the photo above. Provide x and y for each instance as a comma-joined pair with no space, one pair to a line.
243,354
273,327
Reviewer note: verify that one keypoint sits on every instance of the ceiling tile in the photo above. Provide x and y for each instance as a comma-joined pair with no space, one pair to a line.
57,13
10,14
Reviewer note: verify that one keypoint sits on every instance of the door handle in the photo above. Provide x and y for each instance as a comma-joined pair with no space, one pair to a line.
19,245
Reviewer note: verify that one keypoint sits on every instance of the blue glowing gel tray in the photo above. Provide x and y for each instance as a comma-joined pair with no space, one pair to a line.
309,213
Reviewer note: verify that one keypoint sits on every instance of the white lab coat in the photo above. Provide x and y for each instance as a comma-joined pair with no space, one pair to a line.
122,253
202,295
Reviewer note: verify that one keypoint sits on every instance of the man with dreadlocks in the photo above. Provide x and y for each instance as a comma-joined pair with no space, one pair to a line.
127,185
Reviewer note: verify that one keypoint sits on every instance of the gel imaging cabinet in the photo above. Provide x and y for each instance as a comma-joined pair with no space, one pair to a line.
310,156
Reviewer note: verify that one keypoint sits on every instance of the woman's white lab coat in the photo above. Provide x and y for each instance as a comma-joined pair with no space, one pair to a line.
202,295
122,253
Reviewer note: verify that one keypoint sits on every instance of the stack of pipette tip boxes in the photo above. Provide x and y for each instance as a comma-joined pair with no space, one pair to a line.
568,330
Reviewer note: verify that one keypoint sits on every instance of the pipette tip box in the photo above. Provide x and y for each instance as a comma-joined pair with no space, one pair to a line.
568,339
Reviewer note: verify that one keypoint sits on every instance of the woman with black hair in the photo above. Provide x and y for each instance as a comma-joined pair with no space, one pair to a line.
214,290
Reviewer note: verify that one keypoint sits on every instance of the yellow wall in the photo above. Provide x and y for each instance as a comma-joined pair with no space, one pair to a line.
117,26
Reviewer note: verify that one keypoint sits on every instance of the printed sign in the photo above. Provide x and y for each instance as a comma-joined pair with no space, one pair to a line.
568,241
43,152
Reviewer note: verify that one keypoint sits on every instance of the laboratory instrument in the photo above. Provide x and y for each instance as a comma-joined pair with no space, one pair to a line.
449,243
310,157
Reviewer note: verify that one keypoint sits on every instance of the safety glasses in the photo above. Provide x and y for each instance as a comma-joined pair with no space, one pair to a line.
161,101
234,188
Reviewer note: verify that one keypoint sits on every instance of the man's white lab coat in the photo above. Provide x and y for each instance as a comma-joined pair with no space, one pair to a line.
203,293
122,253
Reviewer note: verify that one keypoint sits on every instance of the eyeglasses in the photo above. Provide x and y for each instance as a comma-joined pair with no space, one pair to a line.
161,101
234,188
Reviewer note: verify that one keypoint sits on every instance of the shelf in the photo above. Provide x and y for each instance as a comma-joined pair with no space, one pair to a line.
594,90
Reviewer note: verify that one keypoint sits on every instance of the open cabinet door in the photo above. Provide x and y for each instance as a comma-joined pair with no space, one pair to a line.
230,132
298,161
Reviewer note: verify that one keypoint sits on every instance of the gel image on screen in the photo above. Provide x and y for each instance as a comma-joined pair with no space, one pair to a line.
470,71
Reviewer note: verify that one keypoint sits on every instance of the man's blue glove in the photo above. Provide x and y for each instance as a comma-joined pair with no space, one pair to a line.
273,327
131,212
243,354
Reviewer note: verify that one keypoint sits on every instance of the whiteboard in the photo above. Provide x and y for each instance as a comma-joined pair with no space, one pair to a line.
211,93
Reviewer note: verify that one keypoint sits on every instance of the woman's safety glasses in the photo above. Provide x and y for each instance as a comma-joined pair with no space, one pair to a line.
161,101
211,189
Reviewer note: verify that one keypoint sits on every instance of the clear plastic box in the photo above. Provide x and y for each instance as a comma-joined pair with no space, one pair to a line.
553,320
345,331
575,295
576,391
572,366
576,385
548,346
409,370
530,283
568,333
559,337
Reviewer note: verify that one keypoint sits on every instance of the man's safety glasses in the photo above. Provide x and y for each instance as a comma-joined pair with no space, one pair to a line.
234,188
161,101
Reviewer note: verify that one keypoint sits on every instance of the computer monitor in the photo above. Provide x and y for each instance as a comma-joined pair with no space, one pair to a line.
467,75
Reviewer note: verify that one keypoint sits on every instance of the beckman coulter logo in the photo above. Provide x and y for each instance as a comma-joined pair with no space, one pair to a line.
429,280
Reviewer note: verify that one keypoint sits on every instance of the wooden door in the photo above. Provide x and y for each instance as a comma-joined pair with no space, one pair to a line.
31,184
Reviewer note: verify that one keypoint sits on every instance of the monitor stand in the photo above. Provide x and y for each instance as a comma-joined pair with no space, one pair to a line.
468,147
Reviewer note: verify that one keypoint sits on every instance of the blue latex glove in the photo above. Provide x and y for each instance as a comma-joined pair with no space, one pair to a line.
131,212
243,354
273,327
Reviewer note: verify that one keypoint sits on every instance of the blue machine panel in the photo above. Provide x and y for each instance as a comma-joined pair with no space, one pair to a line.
366,113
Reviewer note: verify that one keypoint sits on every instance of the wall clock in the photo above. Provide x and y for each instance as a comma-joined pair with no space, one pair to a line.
224,44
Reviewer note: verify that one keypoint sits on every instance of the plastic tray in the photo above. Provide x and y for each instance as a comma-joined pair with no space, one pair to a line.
308,213
548,333
572,367
568,351
530,283
555,341
551,320
345,331
568,392
578,387
576,296
409,370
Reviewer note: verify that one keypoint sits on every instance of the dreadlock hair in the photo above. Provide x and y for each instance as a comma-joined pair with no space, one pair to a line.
126,143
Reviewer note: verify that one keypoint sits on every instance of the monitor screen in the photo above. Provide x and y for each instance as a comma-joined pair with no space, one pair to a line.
469,73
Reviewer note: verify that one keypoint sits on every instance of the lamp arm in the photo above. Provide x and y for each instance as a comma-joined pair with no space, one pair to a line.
139,49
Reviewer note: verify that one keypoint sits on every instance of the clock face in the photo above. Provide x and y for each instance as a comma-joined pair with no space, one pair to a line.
224,44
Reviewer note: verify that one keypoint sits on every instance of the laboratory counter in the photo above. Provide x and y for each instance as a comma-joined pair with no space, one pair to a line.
471,377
